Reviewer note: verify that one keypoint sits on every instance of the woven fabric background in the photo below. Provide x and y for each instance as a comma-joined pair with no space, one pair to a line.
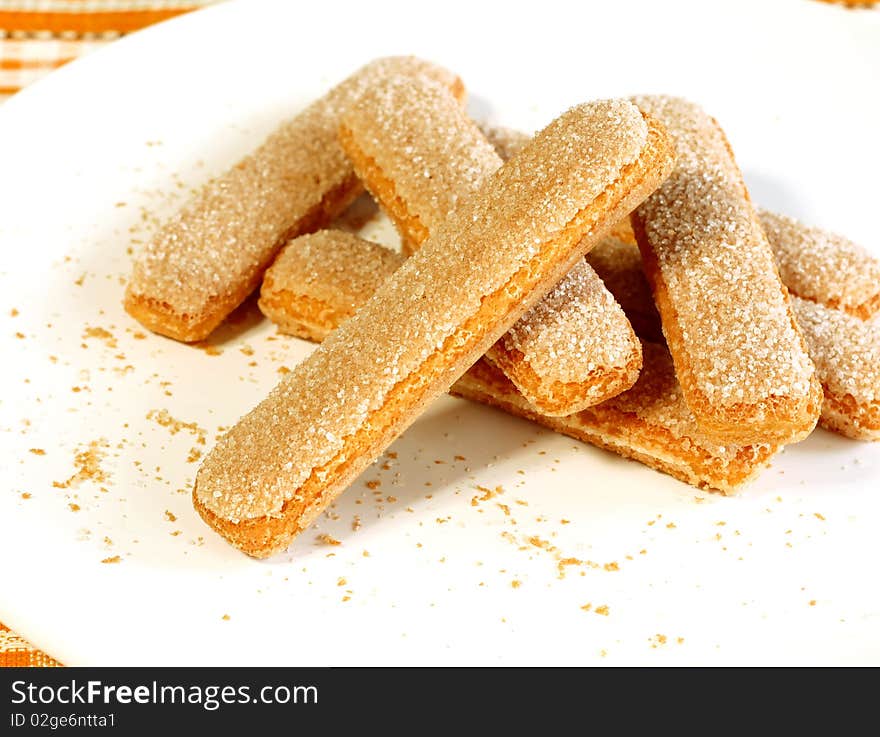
38,36
15,652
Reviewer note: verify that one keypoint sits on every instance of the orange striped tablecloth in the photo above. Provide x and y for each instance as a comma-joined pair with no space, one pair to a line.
37,36
16,652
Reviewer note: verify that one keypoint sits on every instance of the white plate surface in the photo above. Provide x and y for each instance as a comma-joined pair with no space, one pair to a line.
94,156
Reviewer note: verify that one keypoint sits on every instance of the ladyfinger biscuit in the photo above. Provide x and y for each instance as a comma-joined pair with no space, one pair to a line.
574,349
417,152
739,355
508,142
823,267
619,266
492,259
813,264
829,270
420,155
206,259
846,351
321,279
614,260
649,422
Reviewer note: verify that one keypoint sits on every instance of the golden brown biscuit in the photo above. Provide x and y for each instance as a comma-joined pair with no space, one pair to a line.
619,265
649,423
494,257
739,355
509,141
615,262
846,351
823,267
417,152
321,279
852,4
574,349
420,155
211,255
827,269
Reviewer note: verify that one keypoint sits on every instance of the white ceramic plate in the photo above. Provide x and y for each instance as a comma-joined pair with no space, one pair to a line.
94,156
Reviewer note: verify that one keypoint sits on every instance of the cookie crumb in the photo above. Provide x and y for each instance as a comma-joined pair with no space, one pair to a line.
88,465
657,640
